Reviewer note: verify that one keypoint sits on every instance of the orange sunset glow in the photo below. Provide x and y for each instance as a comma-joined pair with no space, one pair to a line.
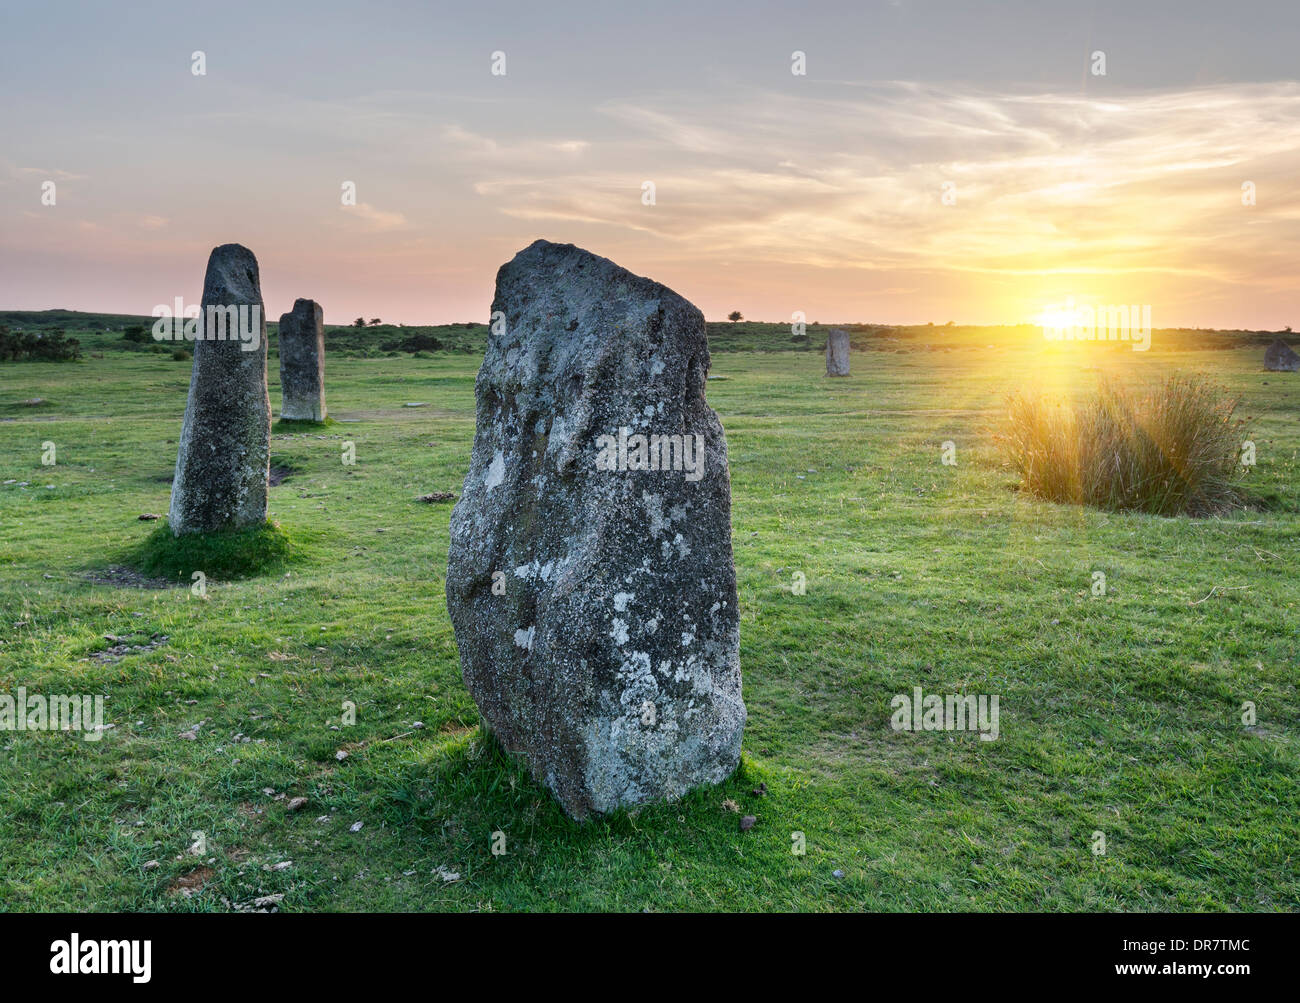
895,190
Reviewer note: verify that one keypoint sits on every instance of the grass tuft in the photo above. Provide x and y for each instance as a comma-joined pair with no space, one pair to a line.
236,554
1169,449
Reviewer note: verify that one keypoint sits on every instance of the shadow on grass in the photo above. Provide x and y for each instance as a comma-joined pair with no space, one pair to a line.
287,426
473,780
1269,499
30,405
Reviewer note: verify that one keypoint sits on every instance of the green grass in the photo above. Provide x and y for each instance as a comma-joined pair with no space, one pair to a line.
1120,713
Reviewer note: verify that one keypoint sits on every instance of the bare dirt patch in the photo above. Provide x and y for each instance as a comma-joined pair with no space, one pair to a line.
126,578
401,414
192,882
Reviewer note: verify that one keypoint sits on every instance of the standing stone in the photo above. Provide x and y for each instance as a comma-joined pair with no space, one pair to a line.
1279,358
590,579
302,362
224,455
837,353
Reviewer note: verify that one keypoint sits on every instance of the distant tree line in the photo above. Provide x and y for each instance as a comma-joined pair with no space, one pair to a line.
48,346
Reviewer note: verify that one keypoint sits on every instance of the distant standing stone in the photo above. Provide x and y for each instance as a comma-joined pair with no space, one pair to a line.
590,578
302,362
1279,358
837,353
224,455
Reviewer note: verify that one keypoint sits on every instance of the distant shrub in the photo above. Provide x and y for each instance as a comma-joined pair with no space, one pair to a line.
1168,449
181,355
136,334
48,346
419,342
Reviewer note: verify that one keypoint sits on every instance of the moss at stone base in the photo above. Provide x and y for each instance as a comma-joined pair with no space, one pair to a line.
235,554
284,425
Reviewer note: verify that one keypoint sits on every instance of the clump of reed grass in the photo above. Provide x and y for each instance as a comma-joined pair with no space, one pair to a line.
1172,448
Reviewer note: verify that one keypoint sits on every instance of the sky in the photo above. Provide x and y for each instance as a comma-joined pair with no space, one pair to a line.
937,161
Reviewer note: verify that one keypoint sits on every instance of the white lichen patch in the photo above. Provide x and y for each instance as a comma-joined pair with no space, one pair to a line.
496,472
678,544
638,681
621,599
536,569
654,507
559,435
618,631
524,638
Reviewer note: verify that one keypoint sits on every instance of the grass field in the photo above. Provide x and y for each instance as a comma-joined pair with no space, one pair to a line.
1120,714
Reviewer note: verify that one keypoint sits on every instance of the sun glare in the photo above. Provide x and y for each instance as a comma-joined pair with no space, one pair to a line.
1054,317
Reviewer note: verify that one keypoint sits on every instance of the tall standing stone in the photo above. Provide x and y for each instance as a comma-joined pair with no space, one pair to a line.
837,353
302,362
590,578
1279,358
224,456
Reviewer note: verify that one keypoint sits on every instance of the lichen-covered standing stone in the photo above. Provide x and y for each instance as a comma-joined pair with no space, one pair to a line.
837,353
1279,358
590,578
224,455
302,362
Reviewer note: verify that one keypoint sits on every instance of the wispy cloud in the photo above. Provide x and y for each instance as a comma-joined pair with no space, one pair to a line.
837,188
52,173
858,180
13,173
375,219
